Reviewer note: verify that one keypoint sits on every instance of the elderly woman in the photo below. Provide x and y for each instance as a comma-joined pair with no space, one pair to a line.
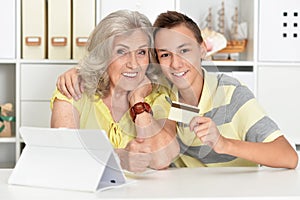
118,95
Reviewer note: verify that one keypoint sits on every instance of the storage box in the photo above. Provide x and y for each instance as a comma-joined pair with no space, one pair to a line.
5,120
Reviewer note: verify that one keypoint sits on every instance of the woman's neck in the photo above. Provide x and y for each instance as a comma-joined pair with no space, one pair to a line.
117,102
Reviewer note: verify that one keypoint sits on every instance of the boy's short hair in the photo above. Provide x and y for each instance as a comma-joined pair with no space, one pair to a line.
171,19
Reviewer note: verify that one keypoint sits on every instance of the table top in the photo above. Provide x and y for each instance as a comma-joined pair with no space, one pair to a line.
197,183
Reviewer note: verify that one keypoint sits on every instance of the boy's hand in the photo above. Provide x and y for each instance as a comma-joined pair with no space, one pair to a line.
207,131
136,157
70,84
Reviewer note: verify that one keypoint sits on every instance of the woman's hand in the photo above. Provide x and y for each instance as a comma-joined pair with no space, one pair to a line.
143,90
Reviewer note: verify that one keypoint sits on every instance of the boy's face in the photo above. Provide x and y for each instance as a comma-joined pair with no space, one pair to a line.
179,55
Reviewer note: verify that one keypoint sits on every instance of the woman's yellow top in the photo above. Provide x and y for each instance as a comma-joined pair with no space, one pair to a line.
96,115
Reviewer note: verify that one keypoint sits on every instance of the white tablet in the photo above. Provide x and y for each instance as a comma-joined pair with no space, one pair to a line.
75,159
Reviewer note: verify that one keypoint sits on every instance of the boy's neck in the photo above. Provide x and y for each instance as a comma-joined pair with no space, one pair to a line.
191,95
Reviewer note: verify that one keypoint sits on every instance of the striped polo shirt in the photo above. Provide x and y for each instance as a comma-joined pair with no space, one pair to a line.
237,114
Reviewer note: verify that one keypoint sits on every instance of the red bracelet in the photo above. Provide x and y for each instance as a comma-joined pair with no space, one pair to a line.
139,108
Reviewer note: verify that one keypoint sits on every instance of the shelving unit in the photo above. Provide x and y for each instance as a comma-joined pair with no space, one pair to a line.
278,64
27,83
8,70
12,85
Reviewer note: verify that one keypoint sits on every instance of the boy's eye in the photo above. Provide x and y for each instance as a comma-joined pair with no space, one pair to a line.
164,55
184,50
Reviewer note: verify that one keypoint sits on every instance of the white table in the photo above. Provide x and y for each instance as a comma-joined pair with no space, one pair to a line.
198,183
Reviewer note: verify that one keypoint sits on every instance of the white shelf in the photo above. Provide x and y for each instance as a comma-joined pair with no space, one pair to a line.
47,61
7,61
7,139
228,63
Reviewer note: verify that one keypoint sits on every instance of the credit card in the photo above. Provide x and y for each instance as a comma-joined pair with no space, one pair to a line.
182,112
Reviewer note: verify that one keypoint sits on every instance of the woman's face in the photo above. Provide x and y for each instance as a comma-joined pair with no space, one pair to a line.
130,60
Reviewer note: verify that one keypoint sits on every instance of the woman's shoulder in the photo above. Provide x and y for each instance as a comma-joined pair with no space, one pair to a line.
83,101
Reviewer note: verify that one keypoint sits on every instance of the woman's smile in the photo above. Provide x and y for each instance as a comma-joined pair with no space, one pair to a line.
130,74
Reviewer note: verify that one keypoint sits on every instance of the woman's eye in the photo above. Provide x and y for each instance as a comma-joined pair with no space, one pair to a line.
141,52
121,51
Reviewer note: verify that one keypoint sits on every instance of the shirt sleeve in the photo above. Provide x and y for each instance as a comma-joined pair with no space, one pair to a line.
77,104
250,120
58,95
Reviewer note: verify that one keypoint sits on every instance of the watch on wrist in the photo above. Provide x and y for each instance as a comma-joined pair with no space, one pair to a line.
139,108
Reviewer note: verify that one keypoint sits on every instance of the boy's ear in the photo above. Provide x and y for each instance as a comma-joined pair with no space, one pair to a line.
203,50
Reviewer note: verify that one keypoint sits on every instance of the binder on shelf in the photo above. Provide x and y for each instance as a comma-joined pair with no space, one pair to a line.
84,20
34,29
59,29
